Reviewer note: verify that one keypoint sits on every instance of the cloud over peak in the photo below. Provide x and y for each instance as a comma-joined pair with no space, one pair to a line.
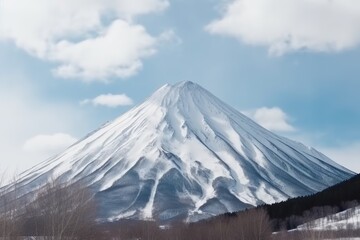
291,25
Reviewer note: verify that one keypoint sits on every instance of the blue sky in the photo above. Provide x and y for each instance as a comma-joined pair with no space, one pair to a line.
66,68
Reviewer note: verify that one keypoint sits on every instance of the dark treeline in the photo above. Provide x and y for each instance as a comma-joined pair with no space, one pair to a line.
290,213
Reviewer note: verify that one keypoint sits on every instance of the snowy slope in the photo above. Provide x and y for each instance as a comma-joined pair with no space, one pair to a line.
183,153
348,219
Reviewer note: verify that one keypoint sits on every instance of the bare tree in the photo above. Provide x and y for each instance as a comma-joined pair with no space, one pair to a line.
10,219
61,211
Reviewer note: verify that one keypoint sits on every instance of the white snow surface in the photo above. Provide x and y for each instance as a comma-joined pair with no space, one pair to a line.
184,153
348,219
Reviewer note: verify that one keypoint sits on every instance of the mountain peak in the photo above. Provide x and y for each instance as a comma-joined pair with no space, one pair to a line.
185,84
178,92
181,86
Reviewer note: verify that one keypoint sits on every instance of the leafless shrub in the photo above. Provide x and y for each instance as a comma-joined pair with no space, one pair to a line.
249,225
61,211
10,219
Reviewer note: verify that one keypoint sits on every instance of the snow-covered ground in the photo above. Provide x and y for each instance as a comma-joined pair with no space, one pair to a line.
354,238
349,219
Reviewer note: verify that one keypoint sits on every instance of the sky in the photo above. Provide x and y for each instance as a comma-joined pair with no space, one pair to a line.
67,67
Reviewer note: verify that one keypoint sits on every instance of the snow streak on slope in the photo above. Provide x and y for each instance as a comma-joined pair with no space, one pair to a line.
184,153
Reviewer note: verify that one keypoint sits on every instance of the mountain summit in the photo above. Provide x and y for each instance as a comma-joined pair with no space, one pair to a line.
185,154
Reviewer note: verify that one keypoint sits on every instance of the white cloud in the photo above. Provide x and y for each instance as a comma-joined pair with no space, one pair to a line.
89,39
49,144
273,119
291,25
109,100
116,52
348,155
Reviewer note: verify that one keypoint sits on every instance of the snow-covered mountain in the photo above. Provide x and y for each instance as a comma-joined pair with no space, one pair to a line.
184,153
